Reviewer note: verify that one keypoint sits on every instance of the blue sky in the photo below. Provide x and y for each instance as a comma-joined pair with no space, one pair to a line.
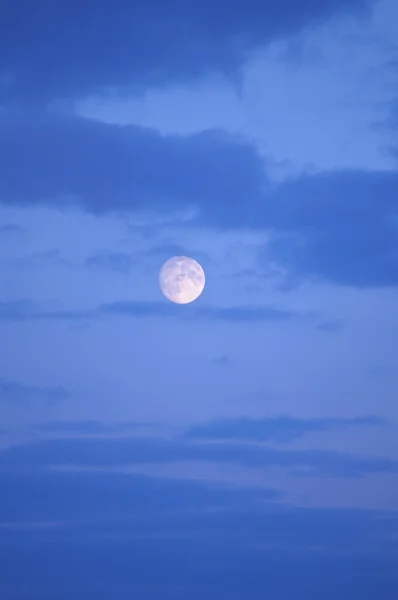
243,446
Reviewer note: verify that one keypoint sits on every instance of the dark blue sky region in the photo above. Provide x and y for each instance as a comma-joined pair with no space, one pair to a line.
243,446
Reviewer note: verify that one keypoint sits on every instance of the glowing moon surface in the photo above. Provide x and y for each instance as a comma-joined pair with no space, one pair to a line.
181,279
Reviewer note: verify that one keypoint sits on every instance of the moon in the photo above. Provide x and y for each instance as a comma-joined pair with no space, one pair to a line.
181,279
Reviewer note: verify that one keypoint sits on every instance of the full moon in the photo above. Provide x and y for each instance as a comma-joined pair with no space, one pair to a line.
181,279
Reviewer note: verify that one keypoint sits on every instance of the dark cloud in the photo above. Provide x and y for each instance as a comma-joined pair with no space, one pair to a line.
102,533
89,503
65,160
127,451
109,534
278,429
339,226
335,226
17,392
67,50
104,495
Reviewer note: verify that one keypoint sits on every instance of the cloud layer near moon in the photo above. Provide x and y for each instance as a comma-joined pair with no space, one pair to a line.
181,279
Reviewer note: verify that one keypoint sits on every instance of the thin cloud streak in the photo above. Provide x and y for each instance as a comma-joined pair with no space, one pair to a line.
28,311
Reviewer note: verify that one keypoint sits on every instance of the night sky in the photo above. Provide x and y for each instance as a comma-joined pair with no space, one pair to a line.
243,446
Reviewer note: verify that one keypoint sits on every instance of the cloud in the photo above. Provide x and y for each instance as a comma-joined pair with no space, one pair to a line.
151,537
16,392
165,250
124,528
339,226
239,313
325,226
88,503
278,429
27,310
110,452
120,262
123,262
85,427
226,563
188,40
23,310
246,313
10,228
65,161
332,326
221,361
126,495
49,257
17,310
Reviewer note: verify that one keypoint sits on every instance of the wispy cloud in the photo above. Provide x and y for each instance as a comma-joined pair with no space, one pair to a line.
17,392
10,228
120,262
277,429
26,310
48,257
332,326
109,452
221,361
86,427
